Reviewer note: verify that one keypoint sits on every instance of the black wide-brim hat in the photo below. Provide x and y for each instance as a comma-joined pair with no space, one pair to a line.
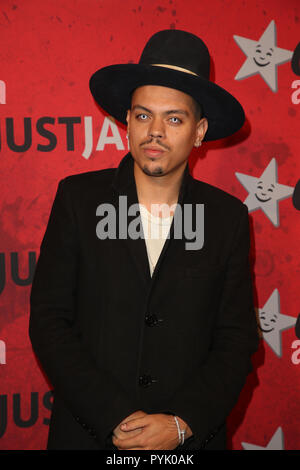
174,59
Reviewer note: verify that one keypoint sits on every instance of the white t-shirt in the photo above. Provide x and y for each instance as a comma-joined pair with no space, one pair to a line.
156,230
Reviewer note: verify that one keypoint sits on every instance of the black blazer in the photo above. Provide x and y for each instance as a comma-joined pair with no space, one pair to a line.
113,340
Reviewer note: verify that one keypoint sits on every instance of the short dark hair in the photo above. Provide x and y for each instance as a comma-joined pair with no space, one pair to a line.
197,110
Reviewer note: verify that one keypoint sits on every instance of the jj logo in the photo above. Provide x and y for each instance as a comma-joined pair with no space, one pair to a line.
16,411
109,134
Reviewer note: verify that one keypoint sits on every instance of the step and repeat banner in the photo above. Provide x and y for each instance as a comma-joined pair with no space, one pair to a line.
50,127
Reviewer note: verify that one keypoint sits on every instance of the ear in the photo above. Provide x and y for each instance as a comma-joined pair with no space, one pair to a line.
201,130
127,120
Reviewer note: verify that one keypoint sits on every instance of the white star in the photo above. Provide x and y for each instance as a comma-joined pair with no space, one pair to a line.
263,56
272,322
265,192
276,443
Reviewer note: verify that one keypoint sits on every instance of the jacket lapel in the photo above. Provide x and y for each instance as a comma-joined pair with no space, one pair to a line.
124,185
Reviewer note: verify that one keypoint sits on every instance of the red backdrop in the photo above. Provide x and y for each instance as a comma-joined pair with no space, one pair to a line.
50,127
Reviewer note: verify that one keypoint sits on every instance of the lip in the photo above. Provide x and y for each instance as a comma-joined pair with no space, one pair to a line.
153,151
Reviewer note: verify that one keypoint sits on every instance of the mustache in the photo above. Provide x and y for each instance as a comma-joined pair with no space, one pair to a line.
157,141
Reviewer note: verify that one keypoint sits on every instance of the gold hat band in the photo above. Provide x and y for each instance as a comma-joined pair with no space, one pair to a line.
174,67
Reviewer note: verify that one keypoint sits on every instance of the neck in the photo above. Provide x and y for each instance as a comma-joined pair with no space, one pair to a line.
158,189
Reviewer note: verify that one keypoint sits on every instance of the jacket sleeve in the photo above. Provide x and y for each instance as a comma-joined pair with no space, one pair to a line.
207,398
92,396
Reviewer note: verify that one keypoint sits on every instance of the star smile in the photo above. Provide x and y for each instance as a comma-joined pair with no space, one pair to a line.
260,65
262,200
265,331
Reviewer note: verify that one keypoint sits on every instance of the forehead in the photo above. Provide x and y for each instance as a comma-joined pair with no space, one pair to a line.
161,97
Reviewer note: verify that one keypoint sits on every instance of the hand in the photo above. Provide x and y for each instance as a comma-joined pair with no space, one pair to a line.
118,433
156,431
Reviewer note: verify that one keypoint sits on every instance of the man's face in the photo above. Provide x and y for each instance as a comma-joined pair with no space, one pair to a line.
162,129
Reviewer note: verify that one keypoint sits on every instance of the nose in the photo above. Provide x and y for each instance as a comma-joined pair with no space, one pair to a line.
156,128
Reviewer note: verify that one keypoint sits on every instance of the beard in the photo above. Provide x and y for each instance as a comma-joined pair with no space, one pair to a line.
158,171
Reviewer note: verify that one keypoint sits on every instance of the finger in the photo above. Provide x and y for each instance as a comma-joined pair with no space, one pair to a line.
127,444
136,423
125,434
136,414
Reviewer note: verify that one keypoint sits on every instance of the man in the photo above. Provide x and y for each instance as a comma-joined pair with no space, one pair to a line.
147,340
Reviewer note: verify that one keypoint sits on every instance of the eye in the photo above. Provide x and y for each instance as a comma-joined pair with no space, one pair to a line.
175,120
142,117
258,50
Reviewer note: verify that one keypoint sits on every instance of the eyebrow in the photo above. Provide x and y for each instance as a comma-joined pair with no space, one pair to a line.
171,111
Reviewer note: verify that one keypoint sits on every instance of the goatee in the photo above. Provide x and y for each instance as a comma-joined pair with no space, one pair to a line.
158,171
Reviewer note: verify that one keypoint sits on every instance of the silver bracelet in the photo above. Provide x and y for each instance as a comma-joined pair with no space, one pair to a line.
181,432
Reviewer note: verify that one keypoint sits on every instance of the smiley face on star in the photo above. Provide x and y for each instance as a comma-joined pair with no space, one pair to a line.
262,57
264,193
267,321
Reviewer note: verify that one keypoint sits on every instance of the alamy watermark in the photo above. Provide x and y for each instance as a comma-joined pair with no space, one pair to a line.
114,221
